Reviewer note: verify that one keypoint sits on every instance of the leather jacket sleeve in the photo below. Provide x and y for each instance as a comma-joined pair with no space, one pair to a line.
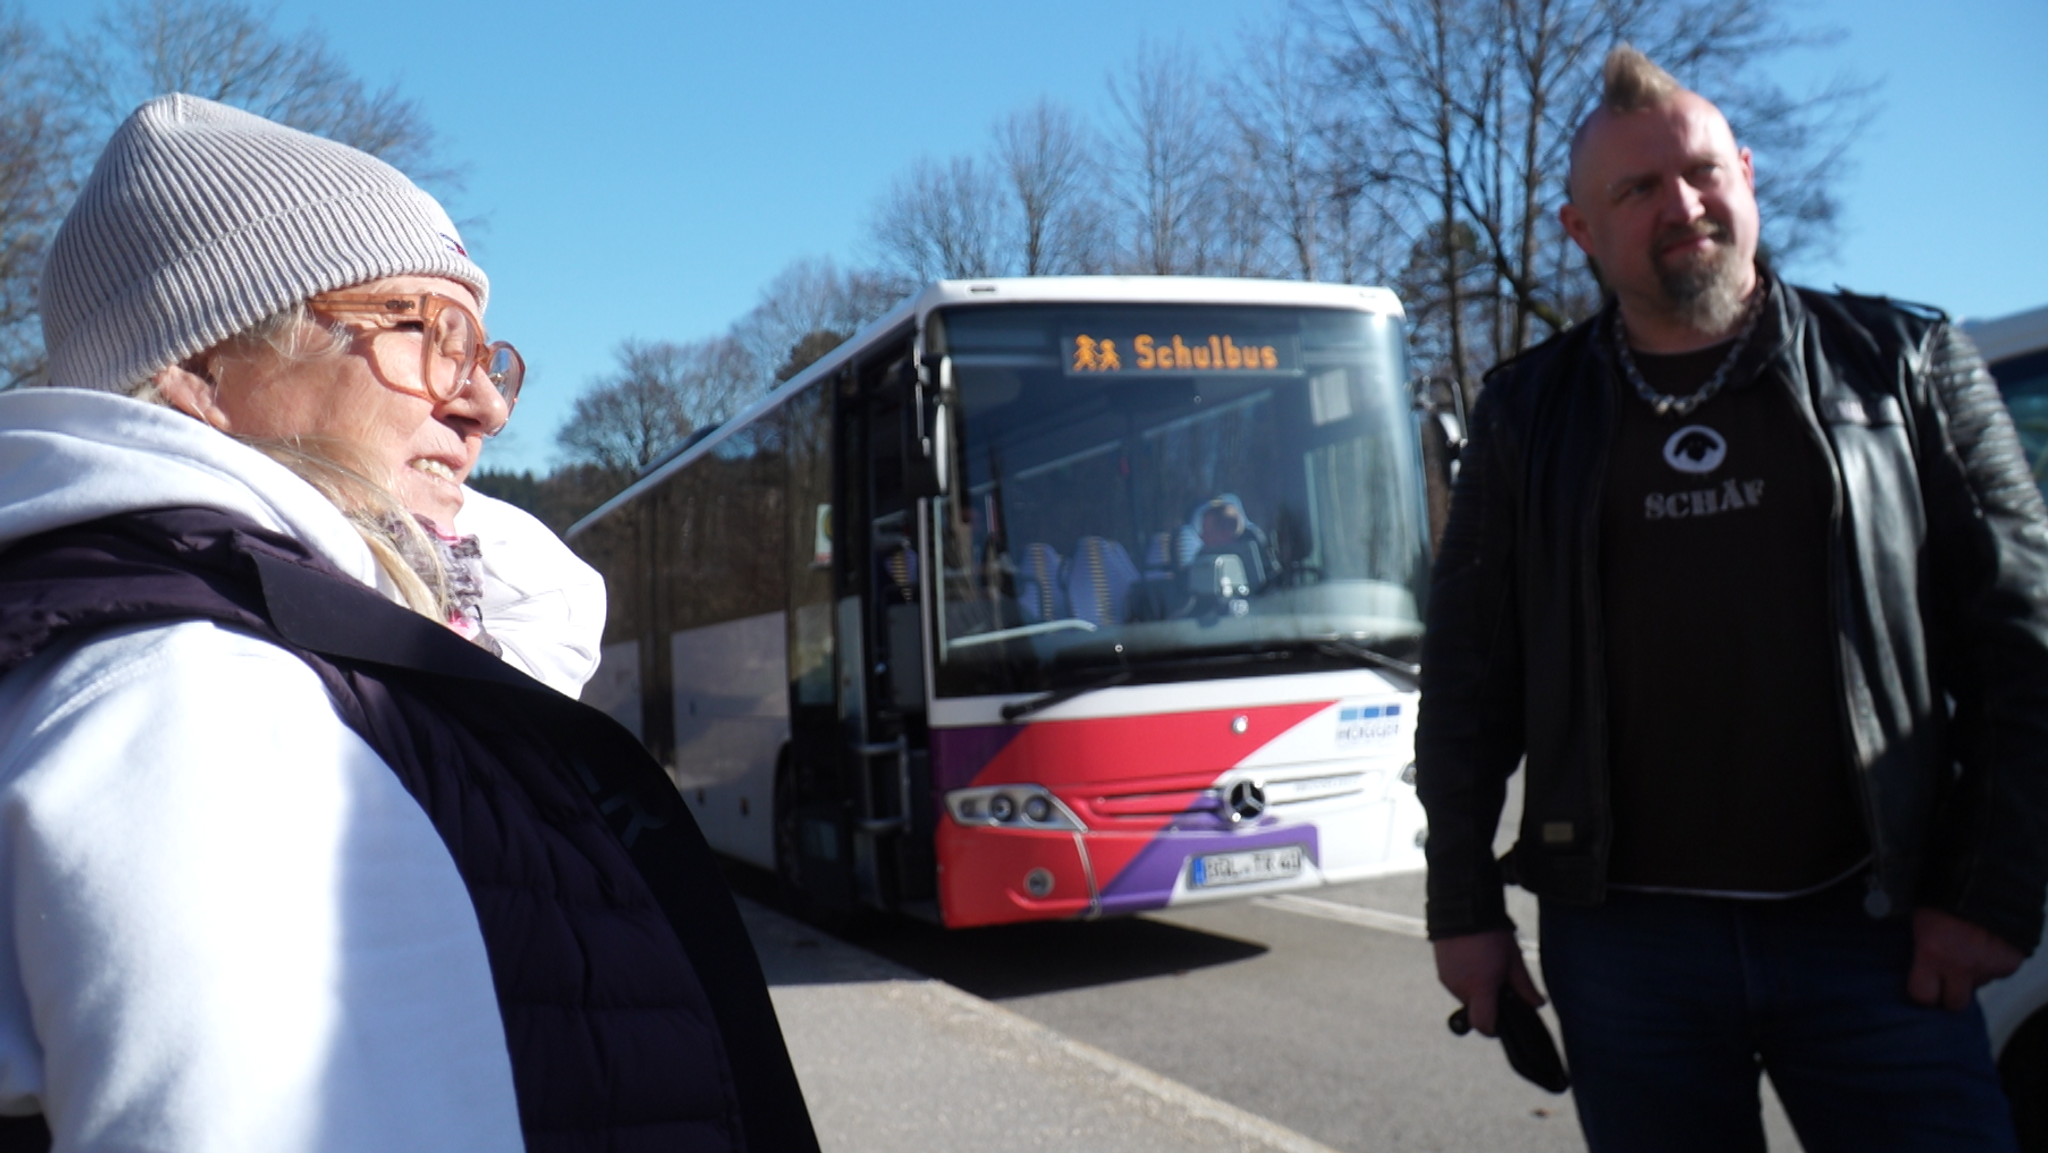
1988,547
1469,736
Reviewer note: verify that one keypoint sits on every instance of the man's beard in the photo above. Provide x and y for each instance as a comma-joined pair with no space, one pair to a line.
1703,293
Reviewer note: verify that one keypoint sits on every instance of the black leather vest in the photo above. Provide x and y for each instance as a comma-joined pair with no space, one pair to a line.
634,1008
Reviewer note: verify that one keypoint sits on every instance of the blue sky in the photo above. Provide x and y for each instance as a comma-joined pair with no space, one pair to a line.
643,169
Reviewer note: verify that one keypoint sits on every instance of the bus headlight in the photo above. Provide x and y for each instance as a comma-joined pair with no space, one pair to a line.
1011,807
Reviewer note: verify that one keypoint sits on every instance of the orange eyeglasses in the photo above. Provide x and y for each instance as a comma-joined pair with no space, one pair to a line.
451,349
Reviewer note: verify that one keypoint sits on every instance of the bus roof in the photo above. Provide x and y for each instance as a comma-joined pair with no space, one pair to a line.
1149,289
2003,336
1013,290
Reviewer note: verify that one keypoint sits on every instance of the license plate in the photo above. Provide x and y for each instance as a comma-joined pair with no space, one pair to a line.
1248,866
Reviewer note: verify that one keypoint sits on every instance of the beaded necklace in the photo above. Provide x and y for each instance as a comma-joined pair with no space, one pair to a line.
1682,406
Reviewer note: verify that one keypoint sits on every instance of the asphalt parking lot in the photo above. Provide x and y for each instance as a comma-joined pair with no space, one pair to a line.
1308,1022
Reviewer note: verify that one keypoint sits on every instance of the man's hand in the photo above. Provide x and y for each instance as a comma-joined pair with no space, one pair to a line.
1475,967
1951,958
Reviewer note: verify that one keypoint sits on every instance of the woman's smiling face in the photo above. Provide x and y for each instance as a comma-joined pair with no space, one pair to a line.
420,450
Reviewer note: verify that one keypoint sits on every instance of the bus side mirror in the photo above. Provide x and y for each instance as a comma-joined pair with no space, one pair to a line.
1453,430
929,460
1443,403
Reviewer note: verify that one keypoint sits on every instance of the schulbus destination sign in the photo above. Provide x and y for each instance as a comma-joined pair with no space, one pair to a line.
1107,351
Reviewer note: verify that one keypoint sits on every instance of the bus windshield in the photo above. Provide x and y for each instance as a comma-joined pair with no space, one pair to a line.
1158,484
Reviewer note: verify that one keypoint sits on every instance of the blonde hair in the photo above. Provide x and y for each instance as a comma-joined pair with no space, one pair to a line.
336,469
396,541
1631,81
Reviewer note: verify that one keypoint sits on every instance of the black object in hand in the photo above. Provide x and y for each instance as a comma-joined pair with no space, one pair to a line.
1531,1052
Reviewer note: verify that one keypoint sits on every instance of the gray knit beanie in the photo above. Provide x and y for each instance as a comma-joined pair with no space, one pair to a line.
200,220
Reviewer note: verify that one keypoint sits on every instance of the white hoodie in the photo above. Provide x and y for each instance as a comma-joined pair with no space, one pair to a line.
544,605
224,923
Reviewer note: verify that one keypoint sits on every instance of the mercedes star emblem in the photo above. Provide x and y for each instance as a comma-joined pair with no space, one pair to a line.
1247,800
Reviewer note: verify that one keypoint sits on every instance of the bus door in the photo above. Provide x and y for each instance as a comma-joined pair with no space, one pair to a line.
882,681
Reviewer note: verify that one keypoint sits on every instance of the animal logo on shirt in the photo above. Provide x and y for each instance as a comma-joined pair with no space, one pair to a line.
1695,449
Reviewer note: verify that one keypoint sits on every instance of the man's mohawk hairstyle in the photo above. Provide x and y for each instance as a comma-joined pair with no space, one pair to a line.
1631,82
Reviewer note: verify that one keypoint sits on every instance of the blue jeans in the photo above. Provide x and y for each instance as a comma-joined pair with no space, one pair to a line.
1671,1007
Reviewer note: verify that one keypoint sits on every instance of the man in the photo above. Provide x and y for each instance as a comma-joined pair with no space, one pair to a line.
1220,526
1754,577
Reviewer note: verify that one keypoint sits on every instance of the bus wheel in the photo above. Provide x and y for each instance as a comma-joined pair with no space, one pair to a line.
799,899
2023,1068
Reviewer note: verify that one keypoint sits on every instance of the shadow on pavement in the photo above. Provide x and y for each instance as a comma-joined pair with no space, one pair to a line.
1017,960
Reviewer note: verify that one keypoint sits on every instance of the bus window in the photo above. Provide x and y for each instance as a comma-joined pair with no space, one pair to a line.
809,421
1143,485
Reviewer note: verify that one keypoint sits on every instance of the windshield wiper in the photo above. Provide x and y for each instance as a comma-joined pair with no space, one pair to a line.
1016,710
1365,654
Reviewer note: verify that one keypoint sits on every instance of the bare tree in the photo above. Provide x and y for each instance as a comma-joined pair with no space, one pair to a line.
865,295
809,295
941,220
1364,237
1279,113
1410,63
720,377
1238,234
39,142
640,411
1475,102
662,390
559,499
1053,167
228,51
815,346
1168,184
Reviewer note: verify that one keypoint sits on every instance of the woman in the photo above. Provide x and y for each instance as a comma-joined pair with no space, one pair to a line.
287,865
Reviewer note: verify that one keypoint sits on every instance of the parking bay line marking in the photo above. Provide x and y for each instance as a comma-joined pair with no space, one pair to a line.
1398,923
1249,1126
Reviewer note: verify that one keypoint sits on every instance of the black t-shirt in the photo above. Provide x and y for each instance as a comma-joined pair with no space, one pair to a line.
1728,764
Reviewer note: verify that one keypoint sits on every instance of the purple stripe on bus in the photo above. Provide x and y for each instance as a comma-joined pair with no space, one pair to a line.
958,755
1205,815
1147,882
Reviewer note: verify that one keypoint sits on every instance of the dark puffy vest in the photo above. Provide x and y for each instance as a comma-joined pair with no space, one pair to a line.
634,1008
